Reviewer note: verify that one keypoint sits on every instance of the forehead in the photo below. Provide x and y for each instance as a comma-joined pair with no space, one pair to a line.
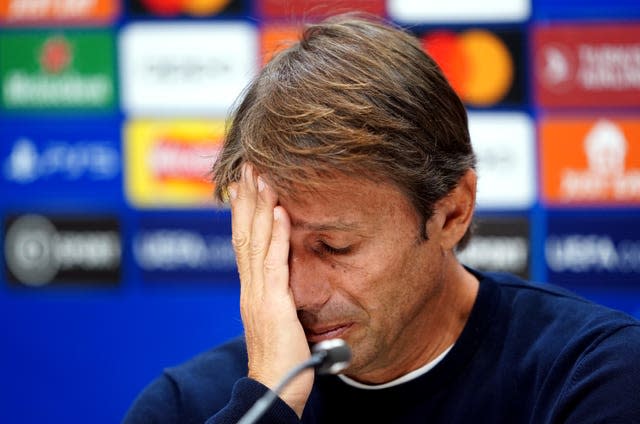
347,203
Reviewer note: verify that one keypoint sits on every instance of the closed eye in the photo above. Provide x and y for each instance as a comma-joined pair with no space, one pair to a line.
326,248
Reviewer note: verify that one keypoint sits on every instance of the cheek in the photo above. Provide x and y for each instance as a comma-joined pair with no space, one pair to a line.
396,281
373,282
352,283
378,279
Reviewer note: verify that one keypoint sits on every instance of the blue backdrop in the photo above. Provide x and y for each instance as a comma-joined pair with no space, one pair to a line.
72,352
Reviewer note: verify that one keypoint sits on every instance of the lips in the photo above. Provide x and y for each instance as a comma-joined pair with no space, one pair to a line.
319,333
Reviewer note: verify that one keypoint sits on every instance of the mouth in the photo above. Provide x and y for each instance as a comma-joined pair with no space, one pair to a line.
318,334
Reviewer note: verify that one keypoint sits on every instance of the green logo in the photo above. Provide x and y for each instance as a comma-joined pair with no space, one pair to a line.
61,70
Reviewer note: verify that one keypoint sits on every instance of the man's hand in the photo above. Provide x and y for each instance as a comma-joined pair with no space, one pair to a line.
275,338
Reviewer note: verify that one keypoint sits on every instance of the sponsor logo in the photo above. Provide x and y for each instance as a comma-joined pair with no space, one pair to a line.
187,251
42,250
558,67
595,163
419,11
192,8
57,160
176,249
504,147
62,70
499,244
483,67
594,249
185,69
53,11
592,253
169,163
317,8
588,65
92,160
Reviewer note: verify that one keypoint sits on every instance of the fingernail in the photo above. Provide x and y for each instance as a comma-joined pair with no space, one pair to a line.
260,184
277,214
232,193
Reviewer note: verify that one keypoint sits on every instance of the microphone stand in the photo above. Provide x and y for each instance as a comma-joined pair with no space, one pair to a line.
261,406
330,356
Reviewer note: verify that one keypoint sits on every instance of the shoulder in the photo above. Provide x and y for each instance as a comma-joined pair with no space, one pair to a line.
198,387
580,356
542,304
218,367
545,325
604,381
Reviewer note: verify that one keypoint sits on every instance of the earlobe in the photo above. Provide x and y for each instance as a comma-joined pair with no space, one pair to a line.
457,208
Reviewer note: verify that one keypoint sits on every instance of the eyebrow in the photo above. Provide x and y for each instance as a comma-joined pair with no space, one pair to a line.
324,226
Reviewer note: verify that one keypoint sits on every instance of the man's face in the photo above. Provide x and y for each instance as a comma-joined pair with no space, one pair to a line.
360,271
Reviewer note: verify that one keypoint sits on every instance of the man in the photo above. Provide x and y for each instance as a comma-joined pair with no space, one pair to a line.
350,174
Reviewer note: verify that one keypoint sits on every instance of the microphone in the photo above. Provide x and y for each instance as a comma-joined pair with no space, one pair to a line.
333,356
328,357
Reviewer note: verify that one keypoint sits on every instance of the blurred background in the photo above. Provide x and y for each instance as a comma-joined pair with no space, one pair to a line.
116,262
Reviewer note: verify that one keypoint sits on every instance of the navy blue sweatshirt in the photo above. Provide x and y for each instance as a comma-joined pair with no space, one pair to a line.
528,354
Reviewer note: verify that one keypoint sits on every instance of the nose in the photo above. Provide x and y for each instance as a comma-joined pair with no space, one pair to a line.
309,283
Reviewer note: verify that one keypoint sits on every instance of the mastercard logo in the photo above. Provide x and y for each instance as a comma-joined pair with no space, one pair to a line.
476,62
187,7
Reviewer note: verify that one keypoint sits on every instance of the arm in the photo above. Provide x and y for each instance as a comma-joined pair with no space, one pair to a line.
245,393
158,403
211,386
274,336
161,402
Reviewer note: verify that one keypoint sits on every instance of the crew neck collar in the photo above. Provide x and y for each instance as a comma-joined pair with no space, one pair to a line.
400,380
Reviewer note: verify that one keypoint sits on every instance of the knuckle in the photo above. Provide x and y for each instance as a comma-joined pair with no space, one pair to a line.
239,241
256,248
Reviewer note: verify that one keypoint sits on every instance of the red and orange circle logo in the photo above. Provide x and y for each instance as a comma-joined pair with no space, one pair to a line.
476,62
188,7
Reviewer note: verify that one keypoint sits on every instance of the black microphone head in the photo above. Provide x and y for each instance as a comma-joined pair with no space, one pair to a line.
335,356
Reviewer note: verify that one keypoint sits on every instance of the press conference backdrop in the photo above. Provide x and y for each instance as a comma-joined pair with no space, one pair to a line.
116,262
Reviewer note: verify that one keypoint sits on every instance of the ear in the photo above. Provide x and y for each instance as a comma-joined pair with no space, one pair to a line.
455,211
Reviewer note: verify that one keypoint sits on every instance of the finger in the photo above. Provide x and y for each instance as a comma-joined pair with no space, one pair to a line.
261,229
276,264
243,199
